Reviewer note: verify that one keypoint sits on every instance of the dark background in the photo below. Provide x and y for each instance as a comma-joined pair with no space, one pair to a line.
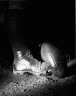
34,22
37,22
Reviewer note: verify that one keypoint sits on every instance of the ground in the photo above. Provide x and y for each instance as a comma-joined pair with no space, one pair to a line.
31,85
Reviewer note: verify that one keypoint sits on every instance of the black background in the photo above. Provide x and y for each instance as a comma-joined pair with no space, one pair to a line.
39,22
